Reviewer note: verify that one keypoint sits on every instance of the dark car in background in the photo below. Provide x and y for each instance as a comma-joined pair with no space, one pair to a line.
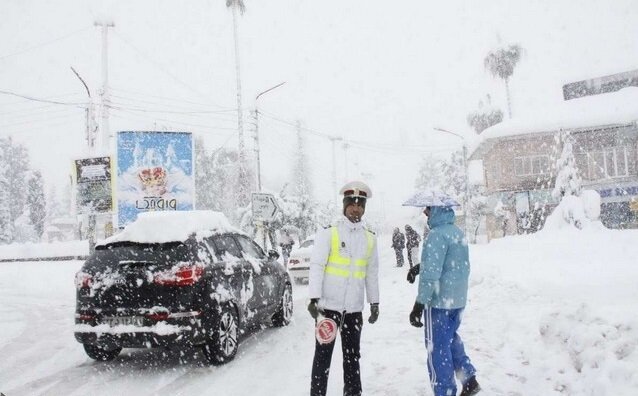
201,290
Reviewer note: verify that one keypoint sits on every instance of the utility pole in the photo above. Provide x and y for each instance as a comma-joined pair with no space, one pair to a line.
104,107
466,197
257,131
345,155
243,194
91,127
333,140
90,139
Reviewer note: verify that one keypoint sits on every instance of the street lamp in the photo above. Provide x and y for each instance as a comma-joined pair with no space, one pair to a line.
257,131
467,179
90,138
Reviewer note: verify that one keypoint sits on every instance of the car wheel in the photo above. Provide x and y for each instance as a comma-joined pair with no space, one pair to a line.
102,354
284,313
222,346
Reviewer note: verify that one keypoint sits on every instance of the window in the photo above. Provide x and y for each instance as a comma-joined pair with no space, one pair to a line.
250,247
604,164
226,244
307,243
531,165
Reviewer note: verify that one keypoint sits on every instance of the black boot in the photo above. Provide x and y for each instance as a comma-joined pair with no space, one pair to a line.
471,387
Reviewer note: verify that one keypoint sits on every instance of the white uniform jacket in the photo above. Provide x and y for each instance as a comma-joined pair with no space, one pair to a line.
345,293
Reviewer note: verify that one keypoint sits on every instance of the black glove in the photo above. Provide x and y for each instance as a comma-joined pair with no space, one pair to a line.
313,307
416,314
374,313
413,272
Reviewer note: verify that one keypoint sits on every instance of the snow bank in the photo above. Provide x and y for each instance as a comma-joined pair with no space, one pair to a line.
38,250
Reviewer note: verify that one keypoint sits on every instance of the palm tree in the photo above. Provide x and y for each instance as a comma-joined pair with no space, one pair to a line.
234,5
501,63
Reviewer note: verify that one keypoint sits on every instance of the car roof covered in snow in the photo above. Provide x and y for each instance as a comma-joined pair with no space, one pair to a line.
172,226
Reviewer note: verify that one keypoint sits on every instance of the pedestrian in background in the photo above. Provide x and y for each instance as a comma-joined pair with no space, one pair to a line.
412,244
286,242
398,244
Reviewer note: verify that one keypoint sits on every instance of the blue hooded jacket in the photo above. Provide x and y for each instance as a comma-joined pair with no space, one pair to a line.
445,264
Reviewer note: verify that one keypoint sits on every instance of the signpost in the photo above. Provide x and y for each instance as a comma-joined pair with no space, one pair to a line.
264,207
264,211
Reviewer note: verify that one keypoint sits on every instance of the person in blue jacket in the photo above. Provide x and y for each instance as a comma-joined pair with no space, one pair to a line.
443,282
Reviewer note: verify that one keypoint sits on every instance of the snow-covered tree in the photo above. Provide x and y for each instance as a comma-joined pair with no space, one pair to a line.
501,216
447,176
204,184
477,209
571,209
501,63
485,116
568,182
6,227
36,203
14,160
430,176
454,176
301,185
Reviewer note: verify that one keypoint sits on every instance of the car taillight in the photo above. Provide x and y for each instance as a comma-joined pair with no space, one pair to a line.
293,261
158,316
83,280
180,275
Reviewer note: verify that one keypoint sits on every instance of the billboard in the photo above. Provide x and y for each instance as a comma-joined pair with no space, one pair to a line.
93,177
154,172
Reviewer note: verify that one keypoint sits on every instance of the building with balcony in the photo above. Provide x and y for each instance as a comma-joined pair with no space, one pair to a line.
519,157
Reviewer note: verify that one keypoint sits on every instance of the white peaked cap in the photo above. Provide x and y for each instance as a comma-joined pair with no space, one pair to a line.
356,189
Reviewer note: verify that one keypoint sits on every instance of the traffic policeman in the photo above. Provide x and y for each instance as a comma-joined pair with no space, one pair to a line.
344,267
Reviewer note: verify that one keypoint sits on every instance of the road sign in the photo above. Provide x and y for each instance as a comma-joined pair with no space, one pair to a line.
264,207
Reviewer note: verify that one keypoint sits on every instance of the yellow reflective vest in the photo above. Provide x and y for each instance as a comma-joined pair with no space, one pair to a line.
344,267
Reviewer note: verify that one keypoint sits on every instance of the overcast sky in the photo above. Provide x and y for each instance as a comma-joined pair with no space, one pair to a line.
379,74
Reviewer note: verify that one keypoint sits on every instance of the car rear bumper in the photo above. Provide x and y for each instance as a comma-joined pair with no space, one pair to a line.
185,331
299,272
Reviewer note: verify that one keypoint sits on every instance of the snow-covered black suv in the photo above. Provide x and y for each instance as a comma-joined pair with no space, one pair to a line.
178,279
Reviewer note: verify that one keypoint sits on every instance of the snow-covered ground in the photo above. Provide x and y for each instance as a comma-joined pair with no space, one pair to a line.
548,314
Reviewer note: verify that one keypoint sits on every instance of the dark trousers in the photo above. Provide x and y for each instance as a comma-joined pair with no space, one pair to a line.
399,253
350,343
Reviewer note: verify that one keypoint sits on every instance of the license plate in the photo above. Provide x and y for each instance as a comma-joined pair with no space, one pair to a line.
125,321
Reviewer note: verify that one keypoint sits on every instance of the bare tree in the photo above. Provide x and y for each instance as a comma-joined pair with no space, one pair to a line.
501,63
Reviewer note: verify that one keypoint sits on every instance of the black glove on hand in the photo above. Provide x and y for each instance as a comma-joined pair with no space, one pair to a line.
416,314
374,313
413,272
313,307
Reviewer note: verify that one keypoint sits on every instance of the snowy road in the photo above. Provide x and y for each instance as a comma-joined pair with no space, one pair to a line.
542,320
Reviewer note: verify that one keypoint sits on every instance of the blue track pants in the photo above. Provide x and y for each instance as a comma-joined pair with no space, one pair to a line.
446,354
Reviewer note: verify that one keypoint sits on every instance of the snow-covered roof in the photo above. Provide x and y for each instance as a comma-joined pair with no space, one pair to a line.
170,226
615,108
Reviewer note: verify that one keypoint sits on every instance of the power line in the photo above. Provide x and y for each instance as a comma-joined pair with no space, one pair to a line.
33,47
172,99
145,110
33,121
162,68
146,118
80,104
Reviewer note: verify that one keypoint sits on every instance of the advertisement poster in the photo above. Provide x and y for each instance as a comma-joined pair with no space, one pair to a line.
93,177
154,172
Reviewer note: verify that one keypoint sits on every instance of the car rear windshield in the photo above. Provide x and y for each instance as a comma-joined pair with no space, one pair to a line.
149,253
307,243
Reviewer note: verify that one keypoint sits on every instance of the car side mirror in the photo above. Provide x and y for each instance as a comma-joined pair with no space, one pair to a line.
273,254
